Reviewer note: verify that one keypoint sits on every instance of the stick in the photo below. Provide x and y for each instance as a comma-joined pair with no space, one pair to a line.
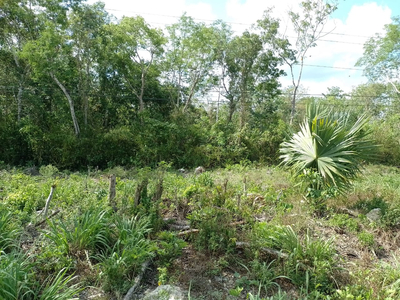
52,215
188,232
111,196
46,208
137,280
270,251
197,230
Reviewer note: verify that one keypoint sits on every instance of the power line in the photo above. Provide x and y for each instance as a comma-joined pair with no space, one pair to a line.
227,22
210,92
331,67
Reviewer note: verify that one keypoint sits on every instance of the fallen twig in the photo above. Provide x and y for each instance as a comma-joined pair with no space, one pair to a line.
275,253
197,230
137,280
52,215
188,232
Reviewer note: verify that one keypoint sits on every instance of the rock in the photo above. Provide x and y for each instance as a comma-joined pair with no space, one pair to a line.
374,215
32,171
199,170
165,292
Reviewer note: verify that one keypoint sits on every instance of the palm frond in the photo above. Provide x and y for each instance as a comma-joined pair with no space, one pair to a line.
329,144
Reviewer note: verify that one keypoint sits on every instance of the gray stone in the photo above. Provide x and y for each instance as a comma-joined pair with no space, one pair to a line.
374,215
165,292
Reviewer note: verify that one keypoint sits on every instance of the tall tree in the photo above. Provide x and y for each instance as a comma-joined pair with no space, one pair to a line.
18,25
85,26
247,70
135,47
381,57
309,25
191,57
49,57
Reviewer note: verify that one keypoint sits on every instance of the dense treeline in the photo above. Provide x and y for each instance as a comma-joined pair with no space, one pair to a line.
79,88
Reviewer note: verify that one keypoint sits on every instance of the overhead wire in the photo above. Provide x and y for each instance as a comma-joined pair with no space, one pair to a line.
227,22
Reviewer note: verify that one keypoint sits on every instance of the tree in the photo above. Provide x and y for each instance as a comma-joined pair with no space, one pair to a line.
135,47
248,72
309,26
85,26
377,99
18,25
331,145
49,58
381,57
191,57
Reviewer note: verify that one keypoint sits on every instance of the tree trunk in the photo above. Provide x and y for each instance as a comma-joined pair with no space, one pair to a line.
232,107
112,193
139,191
293,105
70,102
19,102
192,90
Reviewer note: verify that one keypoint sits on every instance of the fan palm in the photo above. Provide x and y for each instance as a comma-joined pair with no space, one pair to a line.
331,145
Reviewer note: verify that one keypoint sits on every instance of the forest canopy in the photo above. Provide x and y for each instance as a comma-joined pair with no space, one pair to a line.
80,88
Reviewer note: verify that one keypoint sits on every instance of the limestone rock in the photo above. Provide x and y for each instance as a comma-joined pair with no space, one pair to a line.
165,292
374,215
199,170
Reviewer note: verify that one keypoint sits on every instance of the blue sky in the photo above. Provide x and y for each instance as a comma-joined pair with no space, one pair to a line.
331,63
346,5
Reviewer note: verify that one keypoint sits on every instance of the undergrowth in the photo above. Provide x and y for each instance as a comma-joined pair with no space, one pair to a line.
248,221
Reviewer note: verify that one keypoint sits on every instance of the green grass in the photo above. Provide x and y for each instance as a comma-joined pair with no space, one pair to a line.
258,205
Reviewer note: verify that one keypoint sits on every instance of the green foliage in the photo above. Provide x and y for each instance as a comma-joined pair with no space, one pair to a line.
59,287
88,231
215,234
15,276
387,134
48,171
344,222
9,231
355,292
169,247
366,239
120,263
381,55
310,263
329,144
376,202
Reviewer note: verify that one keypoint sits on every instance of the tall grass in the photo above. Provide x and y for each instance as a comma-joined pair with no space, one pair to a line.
88,231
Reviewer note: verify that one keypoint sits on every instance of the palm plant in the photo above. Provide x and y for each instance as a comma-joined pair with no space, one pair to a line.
329,144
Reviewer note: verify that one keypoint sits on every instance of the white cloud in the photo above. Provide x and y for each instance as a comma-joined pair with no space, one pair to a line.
361,22
159,13
344,48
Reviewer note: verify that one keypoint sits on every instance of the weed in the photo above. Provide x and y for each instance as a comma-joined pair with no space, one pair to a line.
131,249
169,247
59,287
356,292
215,233
89,231
16,272
366,239
162,275
48,171
9,231
375,202
344,222
315,257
